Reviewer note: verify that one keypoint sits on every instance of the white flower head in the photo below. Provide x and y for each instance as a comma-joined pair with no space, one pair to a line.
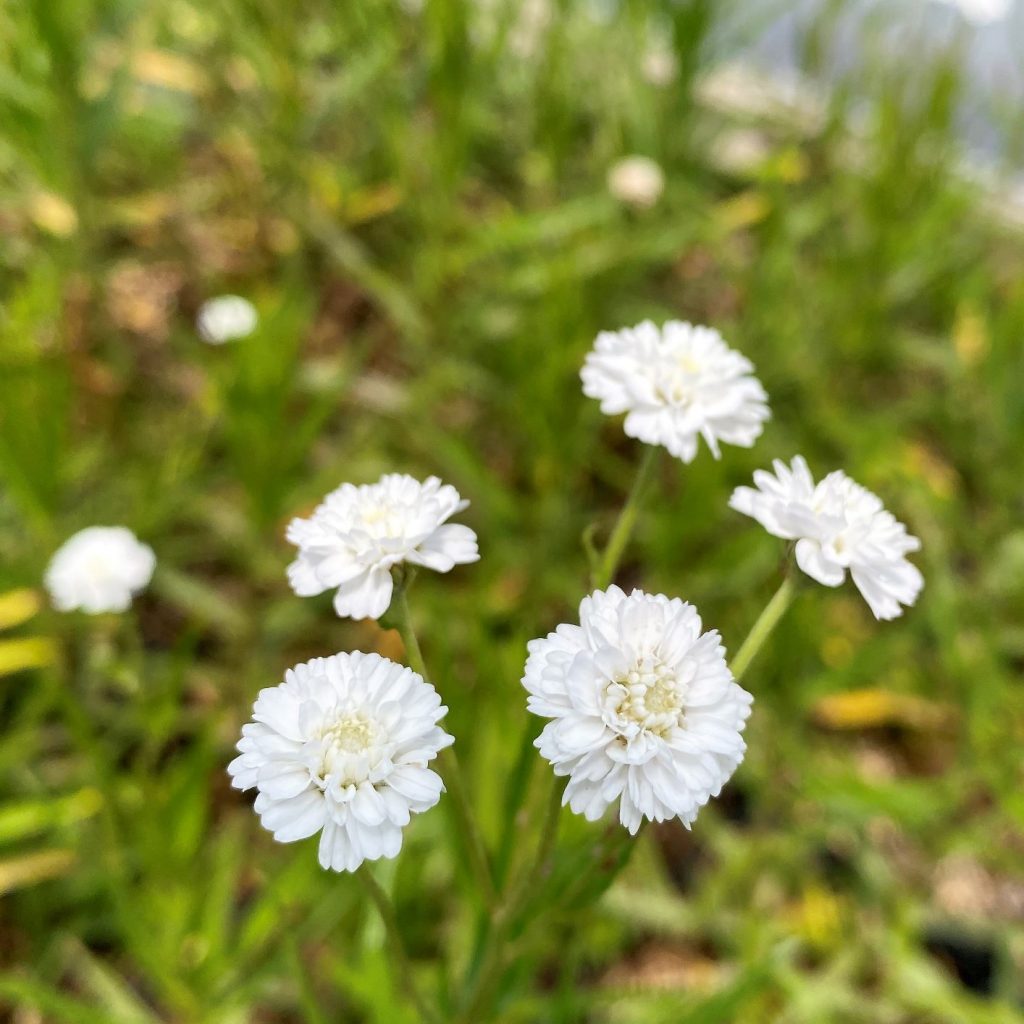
226,318
982,12
675,384
660,66
838,526
99,569
636,181
644,709
342,747
354,538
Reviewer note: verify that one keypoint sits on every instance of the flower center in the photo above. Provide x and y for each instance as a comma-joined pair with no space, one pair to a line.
677,385
382,520
352,734
649,696
347,751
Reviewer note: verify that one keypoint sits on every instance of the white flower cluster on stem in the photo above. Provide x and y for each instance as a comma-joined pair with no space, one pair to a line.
644,711
342,748
357,535
676,383
838,526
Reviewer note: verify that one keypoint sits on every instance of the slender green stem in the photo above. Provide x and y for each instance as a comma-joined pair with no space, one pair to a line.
504,918
608,563
396,945
762,629
449,763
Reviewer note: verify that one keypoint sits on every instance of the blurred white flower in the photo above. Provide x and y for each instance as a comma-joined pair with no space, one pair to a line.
660,66
739,150
636,181
226,318
529,27
343,745
357,534
838,526
99,569
644,709
981,12
675,384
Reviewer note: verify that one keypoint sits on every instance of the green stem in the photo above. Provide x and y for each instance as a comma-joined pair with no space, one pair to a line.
504,918
762,629
605,570
449,763
396,946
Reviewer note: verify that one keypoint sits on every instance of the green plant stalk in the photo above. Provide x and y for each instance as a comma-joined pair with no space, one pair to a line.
450,770
396,946
491,963
604,573
764,626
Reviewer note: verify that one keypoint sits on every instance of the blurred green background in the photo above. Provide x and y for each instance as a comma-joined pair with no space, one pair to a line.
414,196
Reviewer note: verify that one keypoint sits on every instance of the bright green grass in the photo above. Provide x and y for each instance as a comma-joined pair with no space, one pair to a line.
418,209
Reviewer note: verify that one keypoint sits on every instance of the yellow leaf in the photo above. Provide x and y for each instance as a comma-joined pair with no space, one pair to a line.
19,872
27,652
367,203
970,335
742,211
53,214
874,708
18,606
168,70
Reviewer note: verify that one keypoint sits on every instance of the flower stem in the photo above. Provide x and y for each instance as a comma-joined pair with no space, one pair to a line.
604,572
504,917
762,629
396,946
478,860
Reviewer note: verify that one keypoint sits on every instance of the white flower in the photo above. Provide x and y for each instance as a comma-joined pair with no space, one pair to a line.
837,525
343,745
982,12
660,66
637,181
676,384
226,318
644,709
358,533
99,569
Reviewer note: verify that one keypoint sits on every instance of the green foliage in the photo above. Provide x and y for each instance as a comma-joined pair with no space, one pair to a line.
416,203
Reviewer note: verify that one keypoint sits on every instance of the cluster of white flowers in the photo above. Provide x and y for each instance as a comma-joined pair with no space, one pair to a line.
342,747
644,711
99,569
358,535
637,181
838,526
676,383
226,318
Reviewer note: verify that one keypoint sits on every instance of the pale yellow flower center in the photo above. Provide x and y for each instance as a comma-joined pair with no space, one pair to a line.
350,735
649,695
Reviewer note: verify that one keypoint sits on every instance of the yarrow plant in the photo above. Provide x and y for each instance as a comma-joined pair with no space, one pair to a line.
99,569
342,748
637,181
676,384
838,526
645,714
644,709
226,318
357,535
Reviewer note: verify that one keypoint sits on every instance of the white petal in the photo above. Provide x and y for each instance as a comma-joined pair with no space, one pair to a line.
365,597
813,561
